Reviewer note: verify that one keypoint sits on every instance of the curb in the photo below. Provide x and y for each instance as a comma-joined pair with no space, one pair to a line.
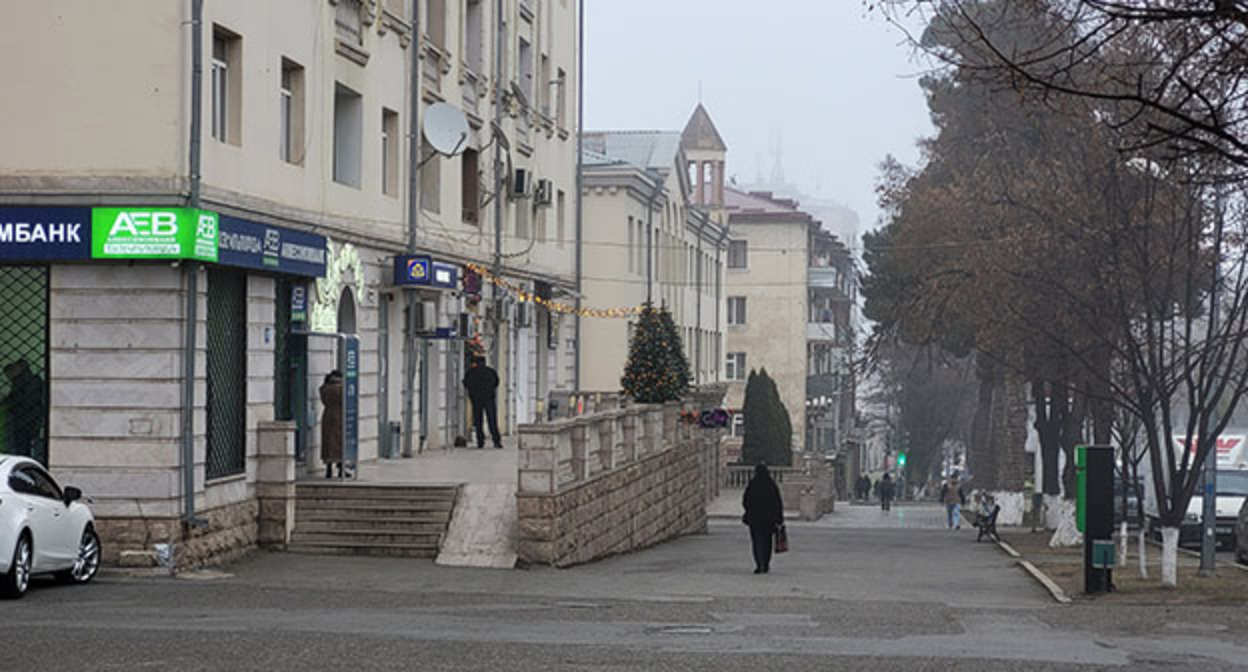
1055,590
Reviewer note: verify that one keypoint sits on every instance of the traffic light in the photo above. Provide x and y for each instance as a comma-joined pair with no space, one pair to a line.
901,460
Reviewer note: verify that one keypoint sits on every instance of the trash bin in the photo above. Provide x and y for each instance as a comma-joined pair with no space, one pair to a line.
396,439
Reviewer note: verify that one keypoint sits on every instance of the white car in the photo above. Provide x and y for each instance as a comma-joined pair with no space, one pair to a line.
43,529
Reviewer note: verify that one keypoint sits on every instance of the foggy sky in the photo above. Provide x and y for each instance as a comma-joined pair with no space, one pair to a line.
836,84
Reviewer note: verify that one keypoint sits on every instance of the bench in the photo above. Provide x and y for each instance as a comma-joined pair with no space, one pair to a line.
987,525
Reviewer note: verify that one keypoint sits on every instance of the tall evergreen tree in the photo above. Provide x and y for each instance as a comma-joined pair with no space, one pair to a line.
768,430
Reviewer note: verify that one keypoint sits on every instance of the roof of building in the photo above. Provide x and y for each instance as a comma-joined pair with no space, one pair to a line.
646,149
700,132
759,202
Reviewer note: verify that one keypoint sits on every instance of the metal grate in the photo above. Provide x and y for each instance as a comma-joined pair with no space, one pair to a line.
283,374
227,372
24,357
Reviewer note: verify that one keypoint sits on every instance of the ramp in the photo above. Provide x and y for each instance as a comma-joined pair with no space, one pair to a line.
482,532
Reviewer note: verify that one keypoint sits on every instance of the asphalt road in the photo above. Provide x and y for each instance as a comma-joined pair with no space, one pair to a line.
860,590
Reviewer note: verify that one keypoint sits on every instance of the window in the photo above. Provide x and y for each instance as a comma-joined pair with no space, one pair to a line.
561,108
291,110
734,366
561,216
430,178
632,246
348,133
347,21
435,23
524,69
474,40
226,372
522,221
389,152
738,424
544,83
738,255
470,182
227,89
540,224
736,310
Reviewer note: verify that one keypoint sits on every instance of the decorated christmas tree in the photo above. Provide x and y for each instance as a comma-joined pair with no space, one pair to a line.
657,370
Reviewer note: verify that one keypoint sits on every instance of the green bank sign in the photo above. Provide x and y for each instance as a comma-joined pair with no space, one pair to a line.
153,233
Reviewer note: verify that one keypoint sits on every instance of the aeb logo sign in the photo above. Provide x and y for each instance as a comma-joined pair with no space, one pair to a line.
153,233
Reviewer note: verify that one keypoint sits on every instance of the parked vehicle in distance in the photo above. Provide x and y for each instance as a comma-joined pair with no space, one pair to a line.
1241,535
44,529
1232,491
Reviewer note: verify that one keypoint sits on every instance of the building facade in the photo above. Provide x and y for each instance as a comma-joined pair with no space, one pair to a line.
648,238
190,262
790,293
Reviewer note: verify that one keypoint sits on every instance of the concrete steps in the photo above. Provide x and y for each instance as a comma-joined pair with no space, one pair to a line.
355,519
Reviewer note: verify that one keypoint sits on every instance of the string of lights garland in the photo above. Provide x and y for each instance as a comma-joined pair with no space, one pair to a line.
523,294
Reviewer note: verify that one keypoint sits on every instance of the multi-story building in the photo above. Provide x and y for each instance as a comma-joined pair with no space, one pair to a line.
790,288
652,234
200,217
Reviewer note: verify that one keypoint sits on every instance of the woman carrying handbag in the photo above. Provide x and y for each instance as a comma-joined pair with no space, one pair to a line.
764,514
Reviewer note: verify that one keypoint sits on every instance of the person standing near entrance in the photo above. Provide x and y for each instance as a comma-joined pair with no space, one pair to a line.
331,423
764,513
25,409
953,497
886,493
481,381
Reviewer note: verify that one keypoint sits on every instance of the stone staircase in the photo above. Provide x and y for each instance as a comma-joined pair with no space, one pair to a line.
369,519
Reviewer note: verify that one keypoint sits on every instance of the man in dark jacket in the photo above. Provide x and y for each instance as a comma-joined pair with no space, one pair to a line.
25,410
886,493
481,381
764,512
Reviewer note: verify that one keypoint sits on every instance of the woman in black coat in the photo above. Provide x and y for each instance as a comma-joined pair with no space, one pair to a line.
764,512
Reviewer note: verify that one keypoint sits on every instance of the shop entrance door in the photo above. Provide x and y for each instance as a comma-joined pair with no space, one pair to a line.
24,358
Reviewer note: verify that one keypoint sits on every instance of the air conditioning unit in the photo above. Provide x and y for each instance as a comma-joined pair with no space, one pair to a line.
520,179
544,192
524,315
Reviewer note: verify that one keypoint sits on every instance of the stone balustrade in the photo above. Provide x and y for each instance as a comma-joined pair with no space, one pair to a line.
613,481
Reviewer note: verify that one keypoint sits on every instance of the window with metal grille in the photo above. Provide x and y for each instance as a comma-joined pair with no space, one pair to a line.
227,372
24,356
283,363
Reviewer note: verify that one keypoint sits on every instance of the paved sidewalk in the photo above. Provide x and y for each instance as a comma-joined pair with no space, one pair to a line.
441,467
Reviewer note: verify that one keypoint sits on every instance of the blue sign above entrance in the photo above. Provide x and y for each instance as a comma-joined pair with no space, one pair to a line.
43,234
271,248
420,270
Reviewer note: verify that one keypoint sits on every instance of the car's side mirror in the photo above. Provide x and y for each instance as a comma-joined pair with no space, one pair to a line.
72,494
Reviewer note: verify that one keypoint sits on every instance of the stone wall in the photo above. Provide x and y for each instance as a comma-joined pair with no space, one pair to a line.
611,482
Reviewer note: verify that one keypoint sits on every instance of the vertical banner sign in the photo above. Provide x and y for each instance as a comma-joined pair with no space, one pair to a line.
351,401
299,304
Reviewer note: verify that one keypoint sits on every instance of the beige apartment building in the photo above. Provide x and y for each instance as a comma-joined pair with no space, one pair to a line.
651,234
277,196
790,292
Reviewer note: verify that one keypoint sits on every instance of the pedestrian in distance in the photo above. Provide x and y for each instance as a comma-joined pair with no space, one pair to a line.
886,493
481,381
24,409
331,423
867,486
764,514
952,496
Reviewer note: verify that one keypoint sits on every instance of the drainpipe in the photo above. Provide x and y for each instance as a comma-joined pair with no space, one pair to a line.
697,339
191,271
499,41
413,219
580,177
654,196
719,271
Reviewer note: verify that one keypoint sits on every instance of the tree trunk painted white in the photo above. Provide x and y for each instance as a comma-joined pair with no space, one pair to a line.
1170,557
1143,553
1124,544
1067,532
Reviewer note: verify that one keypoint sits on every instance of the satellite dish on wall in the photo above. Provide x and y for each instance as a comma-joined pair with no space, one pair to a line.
446,129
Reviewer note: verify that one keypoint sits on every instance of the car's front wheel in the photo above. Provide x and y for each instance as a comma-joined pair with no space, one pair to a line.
13,585
88,561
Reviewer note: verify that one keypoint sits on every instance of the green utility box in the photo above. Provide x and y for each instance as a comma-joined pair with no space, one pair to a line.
1103,553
